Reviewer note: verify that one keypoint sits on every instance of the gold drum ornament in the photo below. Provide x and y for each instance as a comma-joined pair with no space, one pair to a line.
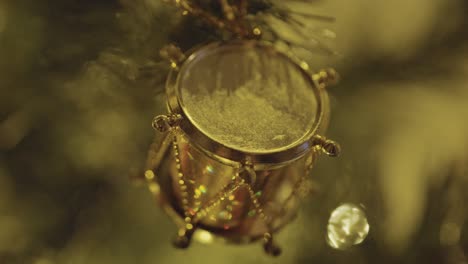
242,133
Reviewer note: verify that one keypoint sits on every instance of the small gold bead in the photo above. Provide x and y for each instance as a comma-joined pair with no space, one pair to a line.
149,175
257,31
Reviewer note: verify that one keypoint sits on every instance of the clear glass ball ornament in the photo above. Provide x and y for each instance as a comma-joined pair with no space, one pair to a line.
347,226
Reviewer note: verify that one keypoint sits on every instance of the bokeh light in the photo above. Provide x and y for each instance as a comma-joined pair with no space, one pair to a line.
347,227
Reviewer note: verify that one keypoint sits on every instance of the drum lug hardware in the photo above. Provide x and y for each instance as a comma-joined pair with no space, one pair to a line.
326,77
327,146
251,176
173,54
269,246
164,123
184,237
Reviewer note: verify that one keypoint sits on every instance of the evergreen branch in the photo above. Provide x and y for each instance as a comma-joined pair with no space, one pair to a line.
195,10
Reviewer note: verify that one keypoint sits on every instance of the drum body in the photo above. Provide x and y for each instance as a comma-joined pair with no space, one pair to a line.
239,141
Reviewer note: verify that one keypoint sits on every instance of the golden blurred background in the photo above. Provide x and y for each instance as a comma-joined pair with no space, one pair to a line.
80,82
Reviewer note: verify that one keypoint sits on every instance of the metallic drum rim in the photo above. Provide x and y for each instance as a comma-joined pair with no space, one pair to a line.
226,154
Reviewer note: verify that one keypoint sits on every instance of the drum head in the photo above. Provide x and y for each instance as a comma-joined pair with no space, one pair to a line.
248,97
